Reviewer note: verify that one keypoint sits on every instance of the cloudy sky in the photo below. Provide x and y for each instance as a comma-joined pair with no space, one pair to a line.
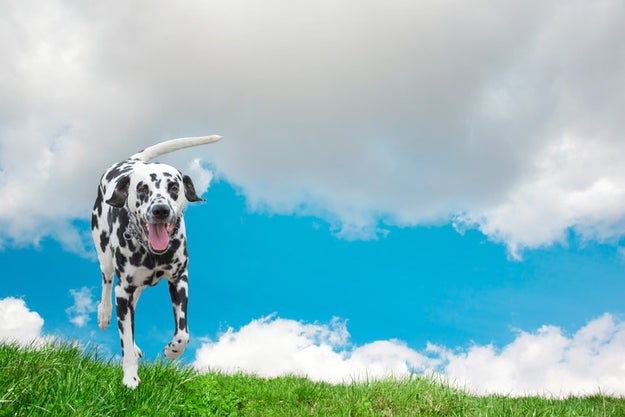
433,186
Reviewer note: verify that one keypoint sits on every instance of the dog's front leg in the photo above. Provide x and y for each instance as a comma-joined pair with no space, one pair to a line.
179,292
125,322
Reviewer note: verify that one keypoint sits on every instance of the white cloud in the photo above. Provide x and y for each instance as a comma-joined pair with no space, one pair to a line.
272,346
546,362
18,324
201,176
508,113
83,305
577,184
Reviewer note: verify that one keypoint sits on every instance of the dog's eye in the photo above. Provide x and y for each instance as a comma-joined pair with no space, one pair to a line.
142,189
173,188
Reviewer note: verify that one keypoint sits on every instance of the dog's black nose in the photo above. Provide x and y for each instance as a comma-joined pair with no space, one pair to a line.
160,211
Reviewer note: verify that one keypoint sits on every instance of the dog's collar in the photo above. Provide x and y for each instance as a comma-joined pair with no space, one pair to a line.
134,232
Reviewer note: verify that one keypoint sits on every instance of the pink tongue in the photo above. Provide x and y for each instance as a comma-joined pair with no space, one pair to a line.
158,236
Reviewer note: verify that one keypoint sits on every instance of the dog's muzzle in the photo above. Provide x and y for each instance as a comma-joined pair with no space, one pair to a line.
159,227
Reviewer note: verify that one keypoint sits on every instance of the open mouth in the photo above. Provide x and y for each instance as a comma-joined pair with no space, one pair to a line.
159,235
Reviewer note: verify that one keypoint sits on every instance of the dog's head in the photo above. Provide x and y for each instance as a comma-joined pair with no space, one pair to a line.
155,194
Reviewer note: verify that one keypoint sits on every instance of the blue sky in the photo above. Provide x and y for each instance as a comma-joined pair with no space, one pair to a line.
445,195
419,285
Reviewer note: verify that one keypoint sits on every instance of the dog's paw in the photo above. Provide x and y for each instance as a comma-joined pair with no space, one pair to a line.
176,347
130,367
131,381
104,315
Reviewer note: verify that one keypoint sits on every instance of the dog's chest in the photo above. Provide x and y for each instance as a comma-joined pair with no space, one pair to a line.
141,277
141,268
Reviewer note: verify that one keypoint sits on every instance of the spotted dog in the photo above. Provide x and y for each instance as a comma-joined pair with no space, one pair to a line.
138,230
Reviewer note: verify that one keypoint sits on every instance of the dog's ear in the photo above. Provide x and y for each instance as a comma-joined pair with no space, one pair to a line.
120,193
189,189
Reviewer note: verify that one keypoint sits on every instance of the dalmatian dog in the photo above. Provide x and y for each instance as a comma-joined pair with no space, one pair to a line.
139,234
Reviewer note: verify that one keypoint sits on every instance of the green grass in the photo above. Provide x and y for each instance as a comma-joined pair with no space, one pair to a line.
63,381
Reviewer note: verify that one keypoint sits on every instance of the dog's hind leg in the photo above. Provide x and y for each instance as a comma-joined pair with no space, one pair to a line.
179,291
106,267
101,239
105,307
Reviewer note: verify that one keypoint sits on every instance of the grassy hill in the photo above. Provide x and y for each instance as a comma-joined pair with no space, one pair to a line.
62,381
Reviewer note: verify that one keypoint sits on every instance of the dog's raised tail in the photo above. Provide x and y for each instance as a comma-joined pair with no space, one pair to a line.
172,145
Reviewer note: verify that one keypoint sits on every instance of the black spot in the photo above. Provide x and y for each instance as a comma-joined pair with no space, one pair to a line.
120,215
122,308
104,240
120,261
179,299
97,206
112,217
149,261
154,279
173,189
118,170
143,192
137,257
132,322
184,300
142,258
97,210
